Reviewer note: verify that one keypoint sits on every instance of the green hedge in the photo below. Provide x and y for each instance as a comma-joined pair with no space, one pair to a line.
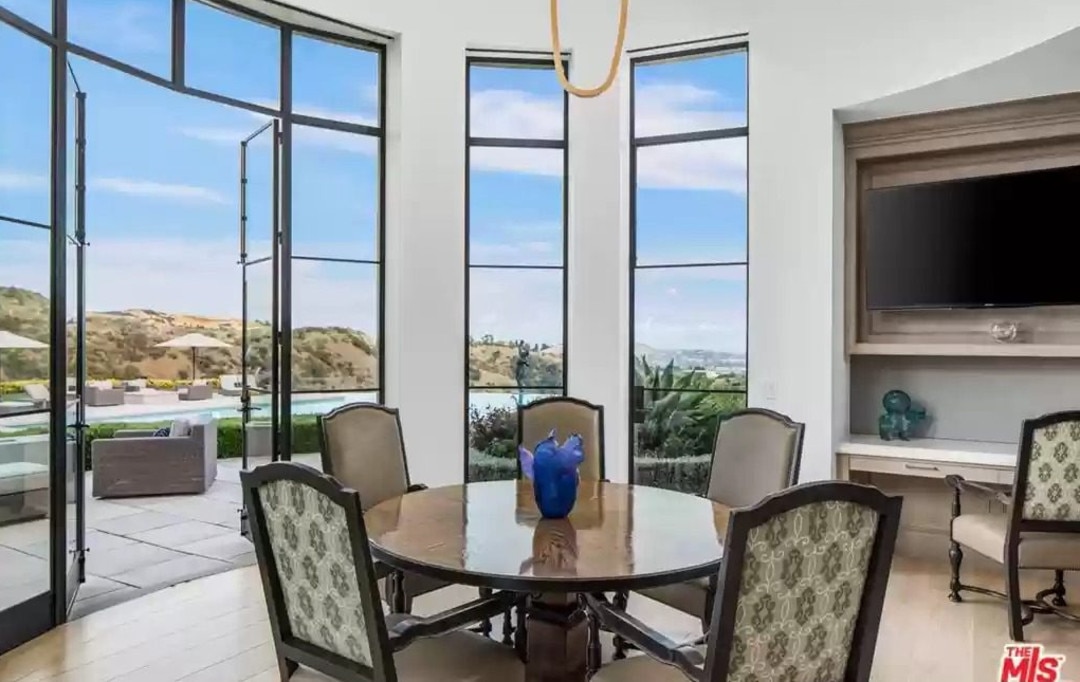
487,468
685,474
305,434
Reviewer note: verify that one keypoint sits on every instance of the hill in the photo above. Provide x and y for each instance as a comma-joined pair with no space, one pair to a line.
121,345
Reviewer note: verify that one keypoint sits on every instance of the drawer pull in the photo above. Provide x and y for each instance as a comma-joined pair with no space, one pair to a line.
920,467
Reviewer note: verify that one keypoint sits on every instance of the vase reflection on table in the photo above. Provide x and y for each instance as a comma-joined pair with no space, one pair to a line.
554,549
553,469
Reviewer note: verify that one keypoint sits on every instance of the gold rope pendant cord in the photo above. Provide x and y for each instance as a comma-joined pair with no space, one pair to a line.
556,52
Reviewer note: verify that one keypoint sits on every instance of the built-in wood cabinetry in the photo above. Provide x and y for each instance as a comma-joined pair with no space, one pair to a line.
988,140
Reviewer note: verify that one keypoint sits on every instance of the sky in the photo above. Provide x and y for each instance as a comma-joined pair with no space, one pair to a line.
163,197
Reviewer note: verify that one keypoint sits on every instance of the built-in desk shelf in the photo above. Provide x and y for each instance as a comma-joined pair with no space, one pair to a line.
985,462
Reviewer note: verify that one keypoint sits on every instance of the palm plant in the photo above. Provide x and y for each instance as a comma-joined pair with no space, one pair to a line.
678,416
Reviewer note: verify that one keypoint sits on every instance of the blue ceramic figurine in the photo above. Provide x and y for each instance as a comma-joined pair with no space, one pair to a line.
553,469
900,416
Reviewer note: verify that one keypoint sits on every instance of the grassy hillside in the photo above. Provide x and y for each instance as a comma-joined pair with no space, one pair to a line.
121,345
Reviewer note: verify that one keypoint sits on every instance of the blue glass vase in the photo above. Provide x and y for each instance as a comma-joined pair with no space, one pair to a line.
554,473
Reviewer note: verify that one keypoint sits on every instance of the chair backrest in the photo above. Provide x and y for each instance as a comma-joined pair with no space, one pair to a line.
1046,489
363,447
803,584
756,453
567,416
317,573
36,391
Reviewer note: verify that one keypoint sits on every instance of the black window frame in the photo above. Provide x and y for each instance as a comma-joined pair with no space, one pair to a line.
30,615
527,60
681,51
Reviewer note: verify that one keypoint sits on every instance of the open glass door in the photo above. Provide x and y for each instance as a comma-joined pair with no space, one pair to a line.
260,246
75,459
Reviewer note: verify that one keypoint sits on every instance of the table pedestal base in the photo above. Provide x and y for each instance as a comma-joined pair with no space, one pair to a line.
558,639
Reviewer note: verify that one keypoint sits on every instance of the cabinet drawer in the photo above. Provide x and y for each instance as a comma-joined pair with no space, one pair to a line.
924,469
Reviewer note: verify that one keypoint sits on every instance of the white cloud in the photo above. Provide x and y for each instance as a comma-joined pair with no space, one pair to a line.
515,113
521,253
158,190
530,161
324,138
20,180
661,108
667,108
131,26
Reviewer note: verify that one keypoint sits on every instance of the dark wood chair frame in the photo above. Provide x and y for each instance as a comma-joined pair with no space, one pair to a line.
714,666
622,598
400,600
1021,611
291,651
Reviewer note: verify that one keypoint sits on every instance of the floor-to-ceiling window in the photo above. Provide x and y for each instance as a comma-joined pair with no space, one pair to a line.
25,329
516,252
176,92
688,268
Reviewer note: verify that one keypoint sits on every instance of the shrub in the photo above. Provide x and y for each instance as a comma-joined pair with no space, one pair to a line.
685,474
486,468
493,431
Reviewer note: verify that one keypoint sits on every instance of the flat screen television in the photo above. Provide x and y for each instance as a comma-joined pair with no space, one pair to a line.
1000,241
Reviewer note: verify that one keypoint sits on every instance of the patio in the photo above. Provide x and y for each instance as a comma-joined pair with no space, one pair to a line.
141,544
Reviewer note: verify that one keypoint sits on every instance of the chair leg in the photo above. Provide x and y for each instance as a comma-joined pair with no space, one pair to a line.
956,557
620,602
1012,572
1059,589
521,632
400,601
508,626
485,625
593,654
286,668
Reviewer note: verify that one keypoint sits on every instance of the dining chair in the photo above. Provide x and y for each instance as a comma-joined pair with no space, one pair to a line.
756,453
565,416
321,592
363,447
1040,527
801,593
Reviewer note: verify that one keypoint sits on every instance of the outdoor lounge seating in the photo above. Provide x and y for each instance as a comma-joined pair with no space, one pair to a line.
135,462
102,394
151,396
24,478
39,394
202,392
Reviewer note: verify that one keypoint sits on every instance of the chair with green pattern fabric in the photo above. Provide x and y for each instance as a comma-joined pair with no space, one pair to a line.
1040,527
799,600
323,598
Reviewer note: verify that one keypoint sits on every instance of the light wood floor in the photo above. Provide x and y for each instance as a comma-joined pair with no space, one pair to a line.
215,630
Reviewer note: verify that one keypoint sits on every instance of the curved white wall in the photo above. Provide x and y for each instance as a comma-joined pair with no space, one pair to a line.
806,61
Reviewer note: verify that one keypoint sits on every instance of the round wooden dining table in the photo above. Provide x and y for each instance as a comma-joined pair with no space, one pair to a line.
619,537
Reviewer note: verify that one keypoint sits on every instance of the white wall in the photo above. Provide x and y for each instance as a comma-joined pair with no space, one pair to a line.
806,61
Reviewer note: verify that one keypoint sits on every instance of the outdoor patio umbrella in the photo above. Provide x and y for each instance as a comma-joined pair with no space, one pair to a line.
194,342
9,340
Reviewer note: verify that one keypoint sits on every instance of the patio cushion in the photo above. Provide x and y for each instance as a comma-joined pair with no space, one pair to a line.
18,477
180,428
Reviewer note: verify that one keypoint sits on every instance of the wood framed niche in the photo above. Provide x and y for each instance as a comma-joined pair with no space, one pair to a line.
1009,137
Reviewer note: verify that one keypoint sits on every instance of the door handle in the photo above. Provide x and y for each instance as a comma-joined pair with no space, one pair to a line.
920,467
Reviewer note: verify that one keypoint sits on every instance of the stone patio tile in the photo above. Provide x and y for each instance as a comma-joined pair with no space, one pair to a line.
177,534
226,547
140,520
172,572
113,562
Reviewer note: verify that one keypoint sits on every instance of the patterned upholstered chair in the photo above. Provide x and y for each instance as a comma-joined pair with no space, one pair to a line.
802,588
1040,528
363,447
323,600
756,453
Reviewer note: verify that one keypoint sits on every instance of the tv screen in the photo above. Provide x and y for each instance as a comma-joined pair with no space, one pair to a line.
1006,240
